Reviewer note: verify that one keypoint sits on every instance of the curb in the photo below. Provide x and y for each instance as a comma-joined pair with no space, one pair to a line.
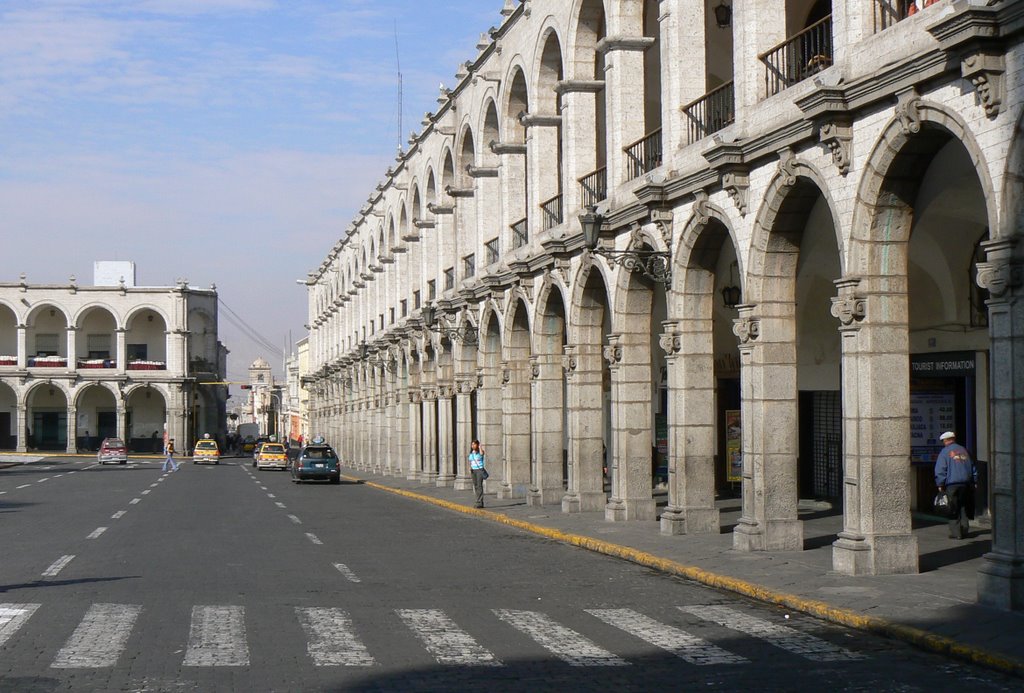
938,644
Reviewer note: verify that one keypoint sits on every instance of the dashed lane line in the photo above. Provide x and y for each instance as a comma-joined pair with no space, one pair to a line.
118,515
280,505
147,492
134,501
347,572
314,538
58,566
24,485
294,519
96,533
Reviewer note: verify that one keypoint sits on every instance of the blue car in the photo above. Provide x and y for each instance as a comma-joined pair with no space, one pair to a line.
316,462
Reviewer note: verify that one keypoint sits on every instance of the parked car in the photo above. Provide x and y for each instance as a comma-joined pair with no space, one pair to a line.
316,462
206,450
112,450
272,456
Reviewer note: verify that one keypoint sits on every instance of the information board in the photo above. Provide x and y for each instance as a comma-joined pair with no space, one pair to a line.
931,413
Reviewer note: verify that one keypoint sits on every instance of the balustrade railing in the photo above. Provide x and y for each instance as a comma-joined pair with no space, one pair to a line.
520,234
644,155
492,250
888,12
798,57
594,187
710,113
552,212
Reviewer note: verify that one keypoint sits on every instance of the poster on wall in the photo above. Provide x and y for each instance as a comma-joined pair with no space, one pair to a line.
733,445
931,413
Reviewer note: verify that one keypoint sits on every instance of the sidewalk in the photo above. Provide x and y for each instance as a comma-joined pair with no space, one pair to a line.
939,601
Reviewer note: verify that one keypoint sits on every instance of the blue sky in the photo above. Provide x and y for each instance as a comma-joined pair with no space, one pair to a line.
226,141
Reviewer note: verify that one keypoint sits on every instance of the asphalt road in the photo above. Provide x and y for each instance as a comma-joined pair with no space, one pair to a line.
221,578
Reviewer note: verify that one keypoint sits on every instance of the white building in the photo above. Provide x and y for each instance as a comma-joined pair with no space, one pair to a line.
80,363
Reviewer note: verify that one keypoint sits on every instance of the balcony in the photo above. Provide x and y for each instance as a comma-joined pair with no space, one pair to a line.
594,187
644,155
492,250
888,12
551,211
141,365
520,234
8,360
97,363
47,362
798,57
710,113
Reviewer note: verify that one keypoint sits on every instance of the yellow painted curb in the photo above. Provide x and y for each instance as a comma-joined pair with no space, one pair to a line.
932,642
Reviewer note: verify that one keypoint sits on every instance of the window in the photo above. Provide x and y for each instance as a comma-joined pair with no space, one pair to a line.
47,344
449,279
405,307
492,249
431,290
416,301
98,346
381,318
137,352
391,316
469,266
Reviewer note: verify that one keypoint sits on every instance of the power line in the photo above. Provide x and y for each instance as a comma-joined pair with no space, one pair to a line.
249,331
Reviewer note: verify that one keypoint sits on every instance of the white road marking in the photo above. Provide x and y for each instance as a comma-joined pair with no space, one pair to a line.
314,538
3,493
783,637
58,476
678,642
147,492
347,572
45,478
565,643
448,643
118,515
73,472
97,532
153,485
217,637
13,617
100,638
271,495
24,485
295,519
330,639
134,501
280,504
58,566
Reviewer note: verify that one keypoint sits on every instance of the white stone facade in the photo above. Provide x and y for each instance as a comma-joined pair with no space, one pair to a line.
80,363
847,174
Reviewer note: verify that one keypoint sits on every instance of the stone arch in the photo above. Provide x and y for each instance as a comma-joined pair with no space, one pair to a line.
1012,202
93,306
687,245
137,309
516,99
588,26
46,404
35,312
9,321
549,68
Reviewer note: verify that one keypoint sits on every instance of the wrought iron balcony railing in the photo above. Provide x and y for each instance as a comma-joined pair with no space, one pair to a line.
798,57
552,212
594,187
644,155
520,234
710,113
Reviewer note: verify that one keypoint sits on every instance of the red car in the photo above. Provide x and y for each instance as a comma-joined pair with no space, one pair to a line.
112,450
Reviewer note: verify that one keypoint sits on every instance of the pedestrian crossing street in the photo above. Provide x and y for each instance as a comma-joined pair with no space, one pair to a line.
218,637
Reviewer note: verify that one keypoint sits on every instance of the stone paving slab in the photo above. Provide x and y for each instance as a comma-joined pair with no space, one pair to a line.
939,600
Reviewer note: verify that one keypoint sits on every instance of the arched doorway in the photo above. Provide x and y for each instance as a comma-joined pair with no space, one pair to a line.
146,341
145,417
547,385
490,426
516,420
46,407
96,339
8,417
95,417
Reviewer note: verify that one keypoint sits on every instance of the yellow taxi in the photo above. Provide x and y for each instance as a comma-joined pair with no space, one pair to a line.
206,450
272,456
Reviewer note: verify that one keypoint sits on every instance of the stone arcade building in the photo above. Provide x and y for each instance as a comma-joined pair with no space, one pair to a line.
773,251
80,363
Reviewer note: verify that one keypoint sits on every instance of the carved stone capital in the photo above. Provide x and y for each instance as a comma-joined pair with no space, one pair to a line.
986,72
787,167
737,184
701,210
908,111
746,329
671,343
838,137
849,309
506,373
613,351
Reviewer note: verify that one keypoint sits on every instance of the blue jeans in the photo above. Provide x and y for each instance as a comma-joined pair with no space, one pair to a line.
170,461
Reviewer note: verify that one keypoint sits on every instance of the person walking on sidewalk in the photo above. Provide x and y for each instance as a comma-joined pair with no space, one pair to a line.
169,459
479,472
956,474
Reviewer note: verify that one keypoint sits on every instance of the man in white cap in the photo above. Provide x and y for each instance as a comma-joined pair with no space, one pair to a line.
956,474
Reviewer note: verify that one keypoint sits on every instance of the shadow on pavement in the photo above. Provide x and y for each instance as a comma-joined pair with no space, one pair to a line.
63,583
963,550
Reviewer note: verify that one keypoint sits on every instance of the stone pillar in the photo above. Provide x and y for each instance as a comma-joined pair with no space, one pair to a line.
72,429
876,537
630,364
430,460
756,28
584,371
624,98
579,106
121,350
464,386
446,460
22,347
769,414
22,445
72,334
691,428
542,142
415,419
546,393
683,39
1001,576
515,429
391,429
489,423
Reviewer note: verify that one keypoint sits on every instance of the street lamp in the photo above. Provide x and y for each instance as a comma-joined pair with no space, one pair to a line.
432,322
653,264
723,15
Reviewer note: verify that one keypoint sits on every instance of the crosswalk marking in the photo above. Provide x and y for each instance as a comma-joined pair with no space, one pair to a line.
100,638
331,640
784,637
13,617
448,643
58,566
217,637
680,643
565,643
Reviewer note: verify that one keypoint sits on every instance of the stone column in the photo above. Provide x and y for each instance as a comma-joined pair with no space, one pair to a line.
515,428
546,393
415,420
22,347
121,350
769,414
1001,576
584,371
579,105
877,537
391,429
691,428
72,428
122,423
464,386
683,40
22,422
430,473
756,28
630,364
446,460
624,98
72,335
489,423
542,135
